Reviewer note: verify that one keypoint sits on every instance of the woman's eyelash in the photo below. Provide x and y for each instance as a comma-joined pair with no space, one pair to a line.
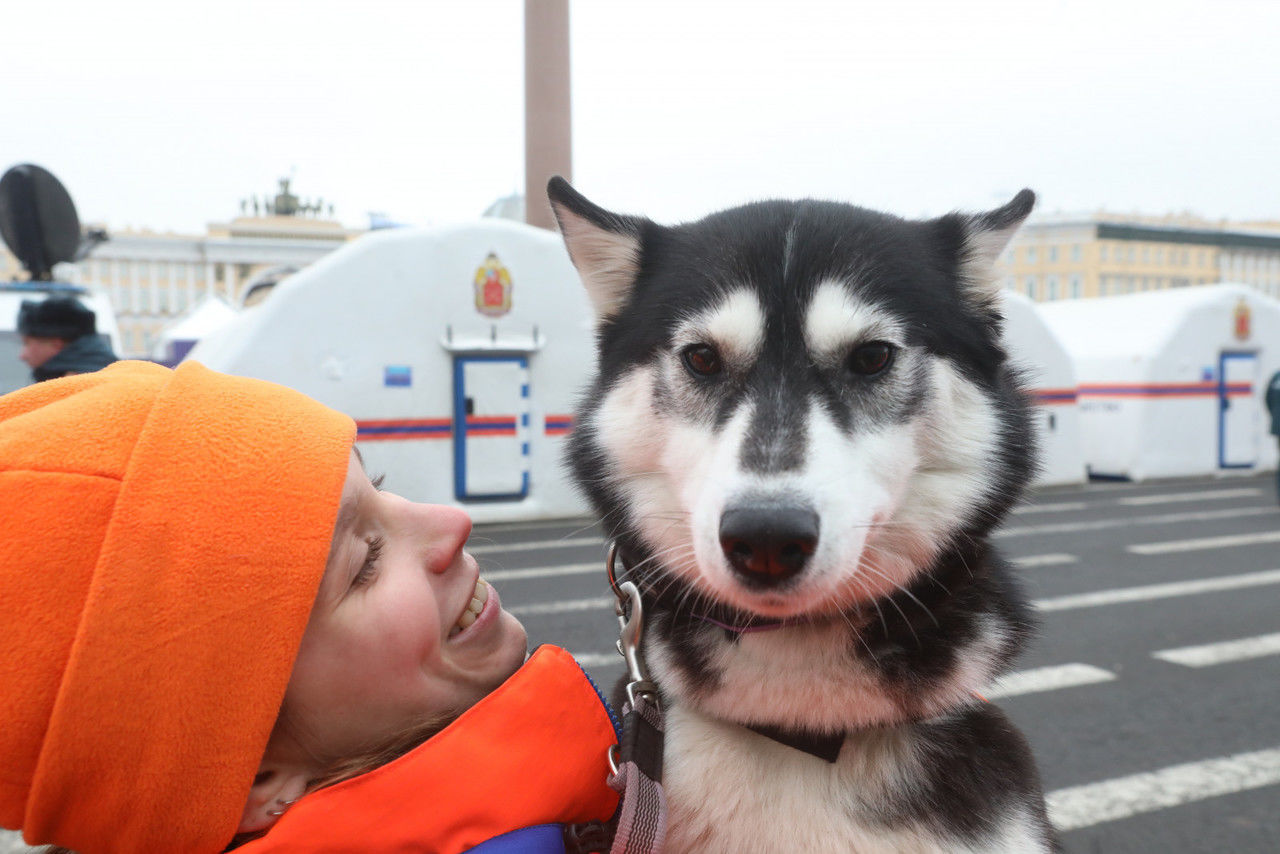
377,481
369,570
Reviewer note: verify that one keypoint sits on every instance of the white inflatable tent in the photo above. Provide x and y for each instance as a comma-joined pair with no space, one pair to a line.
1171,383
13,372
1050,376
458,350
183,333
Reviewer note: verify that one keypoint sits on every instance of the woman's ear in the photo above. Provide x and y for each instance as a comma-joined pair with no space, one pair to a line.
275,789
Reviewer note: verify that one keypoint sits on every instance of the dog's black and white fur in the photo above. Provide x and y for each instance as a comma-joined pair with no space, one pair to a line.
801,434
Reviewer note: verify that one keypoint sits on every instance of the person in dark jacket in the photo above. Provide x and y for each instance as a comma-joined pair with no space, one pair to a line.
60,338
1273,406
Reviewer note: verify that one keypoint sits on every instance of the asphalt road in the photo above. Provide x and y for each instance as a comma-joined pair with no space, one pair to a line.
1152,698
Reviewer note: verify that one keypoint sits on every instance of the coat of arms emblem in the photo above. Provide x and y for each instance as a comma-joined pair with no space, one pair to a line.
493,287
1242,319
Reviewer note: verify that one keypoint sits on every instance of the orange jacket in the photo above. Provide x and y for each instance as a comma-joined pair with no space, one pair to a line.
531,754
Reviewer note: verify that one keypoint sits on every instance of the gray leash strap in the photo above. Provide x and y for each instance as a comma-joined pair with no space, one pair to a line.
636,764
642,821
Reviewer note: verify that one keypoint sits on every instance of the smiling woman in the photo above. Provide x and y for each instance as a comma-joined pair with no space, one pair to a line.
234,616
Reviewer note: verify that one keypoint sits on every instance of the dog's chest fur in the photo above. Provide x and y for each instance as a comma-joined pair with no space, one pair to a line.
733,790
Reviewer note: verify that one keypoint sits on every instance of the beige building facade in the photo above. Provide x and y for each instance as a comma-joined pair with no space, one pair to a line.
153,277
1057,258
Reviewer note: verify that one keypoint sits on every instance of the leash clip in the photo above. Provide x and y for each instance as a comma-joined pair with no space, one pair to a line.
630,612
635,763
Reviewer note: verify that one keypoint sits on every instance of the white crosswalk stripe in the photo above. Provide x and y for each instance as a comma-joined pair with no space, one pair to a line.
1056,507
1047,679
535,545
1158,591
1223,652
1031,561
1175,497
1123,522
563,606
1110,800
1204,543
544,571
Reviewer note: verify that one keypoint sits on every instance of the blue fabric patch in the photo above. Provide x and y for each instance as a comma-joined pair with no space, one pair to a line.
397,375
539,839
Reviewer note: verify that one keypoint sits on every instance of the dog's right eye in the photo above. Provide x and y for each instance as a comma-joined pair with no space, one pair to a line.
701,359
871,359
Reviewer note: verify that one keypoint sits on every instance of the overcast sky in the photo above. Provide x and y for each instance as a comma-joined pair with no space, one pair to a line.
166,114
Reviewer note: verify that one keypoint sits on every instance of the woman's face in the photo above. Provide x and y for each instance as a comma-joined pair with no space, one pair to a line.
394,636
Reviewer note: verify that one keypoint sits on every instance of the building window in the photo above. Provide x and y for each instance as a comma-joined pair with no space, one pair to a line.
1102,252
1075,287
1052,288
1031,287
1053,253
1031,254
1075,252
162,299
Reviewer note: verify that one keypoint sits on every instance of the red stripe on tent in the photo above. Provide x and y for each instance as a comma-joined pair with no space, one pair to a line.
491,421
406,422
558,425
403,429
1158,390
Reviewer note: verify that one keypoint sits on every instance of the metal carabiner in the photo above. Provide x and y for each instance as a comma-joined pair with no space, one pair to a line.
630,612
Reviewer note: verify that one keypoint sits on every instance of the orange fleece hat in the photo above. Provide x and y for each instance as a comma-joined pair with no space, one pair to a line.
162,537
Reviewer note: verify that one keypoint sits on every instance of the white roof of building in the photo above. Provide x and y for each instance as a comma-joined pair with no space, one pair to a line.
1132,324
209,314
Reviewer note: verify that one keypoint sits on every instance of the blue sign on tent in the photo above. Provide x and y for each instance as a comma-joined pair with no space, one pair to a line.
398,375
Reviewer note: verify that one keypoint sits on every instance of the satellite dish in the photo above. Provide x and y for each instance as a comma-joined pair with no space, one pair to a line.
38,219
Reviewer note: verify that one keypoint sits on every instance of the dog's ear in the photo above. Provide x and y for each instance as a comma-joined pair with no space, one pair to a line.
604,246
983,237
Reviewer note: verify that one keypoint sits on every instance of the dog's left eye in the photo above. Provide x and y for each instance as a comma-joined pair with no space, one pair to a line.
871,358
701,359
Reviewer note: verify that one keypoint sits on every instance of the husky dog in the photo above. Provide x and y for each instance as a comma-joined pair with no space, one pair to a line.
802,432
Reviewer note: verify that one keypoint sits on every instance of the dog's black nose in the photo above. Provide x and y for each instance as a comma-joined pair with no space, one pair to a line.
766,546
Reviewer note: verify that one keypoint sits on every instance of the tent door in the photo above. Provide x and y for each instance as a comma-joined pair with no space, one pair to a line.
490,427
1238,415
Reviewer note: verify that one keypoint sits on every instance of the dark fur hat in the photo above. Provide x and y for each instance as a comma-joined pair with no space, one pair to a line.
56,317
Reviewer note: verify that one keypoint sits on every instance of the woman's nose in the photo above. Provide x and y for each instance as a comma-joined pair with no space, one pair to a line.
445,530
